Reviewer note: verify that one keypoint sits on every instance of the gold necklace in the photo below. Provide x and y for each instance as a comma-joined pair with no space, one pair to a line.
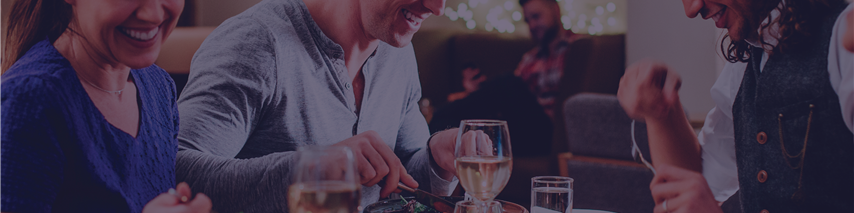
798,195
115,92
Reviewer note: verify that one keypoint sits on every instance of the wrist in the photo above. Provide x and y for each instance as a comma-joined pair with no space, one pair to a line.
441,172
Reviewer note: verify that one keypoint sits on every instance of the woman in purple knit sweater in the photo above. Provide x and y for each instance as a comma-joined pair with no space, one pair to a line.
88,123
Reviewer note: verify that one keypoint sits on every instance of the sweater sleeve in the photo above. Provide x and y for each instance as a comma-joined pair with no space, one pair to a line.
232,80
32,160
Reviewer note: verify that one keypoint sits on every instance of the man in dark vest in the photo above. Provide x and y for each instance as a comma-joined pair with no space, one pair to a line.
781,129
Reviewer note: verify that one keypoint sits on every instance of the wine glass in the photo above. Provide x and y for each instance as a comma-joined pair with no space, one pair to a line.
467,206
324,181
483,158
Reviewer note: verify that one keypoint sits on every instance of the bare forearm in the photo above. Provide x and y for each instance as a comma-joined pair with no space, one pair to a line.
672,141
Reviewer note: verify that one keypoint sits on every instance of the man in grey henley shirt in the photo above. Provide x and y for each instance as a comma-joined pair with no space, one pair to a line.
290,73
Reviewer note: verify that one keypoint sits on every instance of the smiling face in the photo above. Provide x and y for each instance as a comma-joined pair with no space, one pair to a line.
543,17
741,18
128,32
395,21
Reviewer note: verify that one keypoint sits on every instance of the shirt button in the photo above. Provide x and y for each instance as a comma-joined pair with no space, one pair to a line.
347,86
764,211
762,176
761,137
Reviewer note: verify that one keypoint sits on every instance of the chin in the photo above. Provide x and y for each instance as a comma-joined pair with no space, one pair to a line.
400,40
141,61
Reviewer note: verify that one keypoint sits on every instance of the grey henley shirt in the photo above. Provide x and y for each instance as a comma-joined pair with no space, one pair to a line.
268,81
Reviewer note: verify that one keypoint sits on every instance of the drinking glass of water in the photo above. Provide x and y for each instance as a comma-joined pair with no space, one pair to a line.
551,194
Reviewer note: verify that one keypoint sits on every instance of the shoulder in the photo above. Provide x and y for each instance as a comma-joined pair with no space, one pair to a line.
265,20
39,72
154,79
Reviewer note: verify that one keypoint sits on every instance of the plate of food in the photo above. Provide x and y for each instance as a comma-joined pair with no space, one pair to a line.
409,205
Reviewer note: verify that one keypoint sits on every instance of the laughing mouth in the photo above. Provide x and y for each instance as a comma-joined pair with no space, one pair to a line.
140,35
717,16
411,17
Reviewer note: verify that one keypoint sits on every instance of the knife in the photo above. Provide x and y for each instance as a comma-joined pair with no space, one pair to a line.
429,200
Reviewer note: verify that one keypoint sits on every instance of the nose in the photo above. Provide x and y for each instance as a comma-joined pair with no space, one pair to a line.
437,7
692,7
151,11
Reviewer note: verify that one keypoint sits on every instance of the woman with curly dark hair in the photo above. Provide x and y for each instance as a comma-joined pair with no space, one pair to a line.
781,129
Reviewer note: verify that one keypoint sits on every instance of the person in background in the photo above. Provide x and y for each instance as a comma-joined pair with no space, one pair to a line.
526,99
291,73
781,129
542,67
88,123
472,77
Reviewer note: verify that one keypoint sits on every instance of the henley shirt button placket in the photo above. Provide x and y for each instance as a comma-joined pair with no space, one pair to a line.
347,86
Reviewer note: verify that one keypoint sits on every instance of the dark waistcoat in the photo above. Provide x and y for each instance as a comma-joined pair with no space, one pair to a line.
792,100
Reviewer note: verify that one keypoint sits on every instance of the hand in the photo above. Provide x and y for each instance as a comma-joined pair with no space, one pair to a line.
472,79
443,147
375,162
684,190
170,203
649,90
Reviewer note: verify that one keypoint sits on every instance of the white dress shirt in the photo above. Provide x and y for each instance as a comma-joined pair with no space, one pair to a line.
717,137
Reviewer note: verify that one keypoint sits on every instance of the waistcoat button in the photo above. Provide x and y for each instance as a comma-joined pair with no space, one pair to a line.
762,176
761,137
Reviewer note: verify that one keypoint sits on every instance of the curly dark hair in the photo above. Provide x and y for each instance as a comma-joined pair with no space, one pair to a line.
797,21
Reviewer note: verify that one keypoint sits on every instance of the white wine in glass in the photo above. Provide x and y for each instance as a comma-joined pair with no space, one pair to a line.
325,181
483,158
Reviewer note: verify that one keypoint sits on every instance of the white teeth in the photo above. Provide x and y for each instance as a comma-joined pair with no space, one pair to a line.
718,15
143,36
412,17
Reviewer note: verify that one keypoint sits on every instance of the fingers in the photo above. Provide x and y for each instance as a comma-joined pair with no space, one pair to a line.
393,168
407,179
392,179
201,203
164,199
377,163
183,189
484,144
366,170
468,143
666,190
671,88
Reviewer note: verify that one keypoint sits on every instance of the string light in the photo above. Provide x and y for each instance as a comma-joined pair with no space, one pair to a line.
595,17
